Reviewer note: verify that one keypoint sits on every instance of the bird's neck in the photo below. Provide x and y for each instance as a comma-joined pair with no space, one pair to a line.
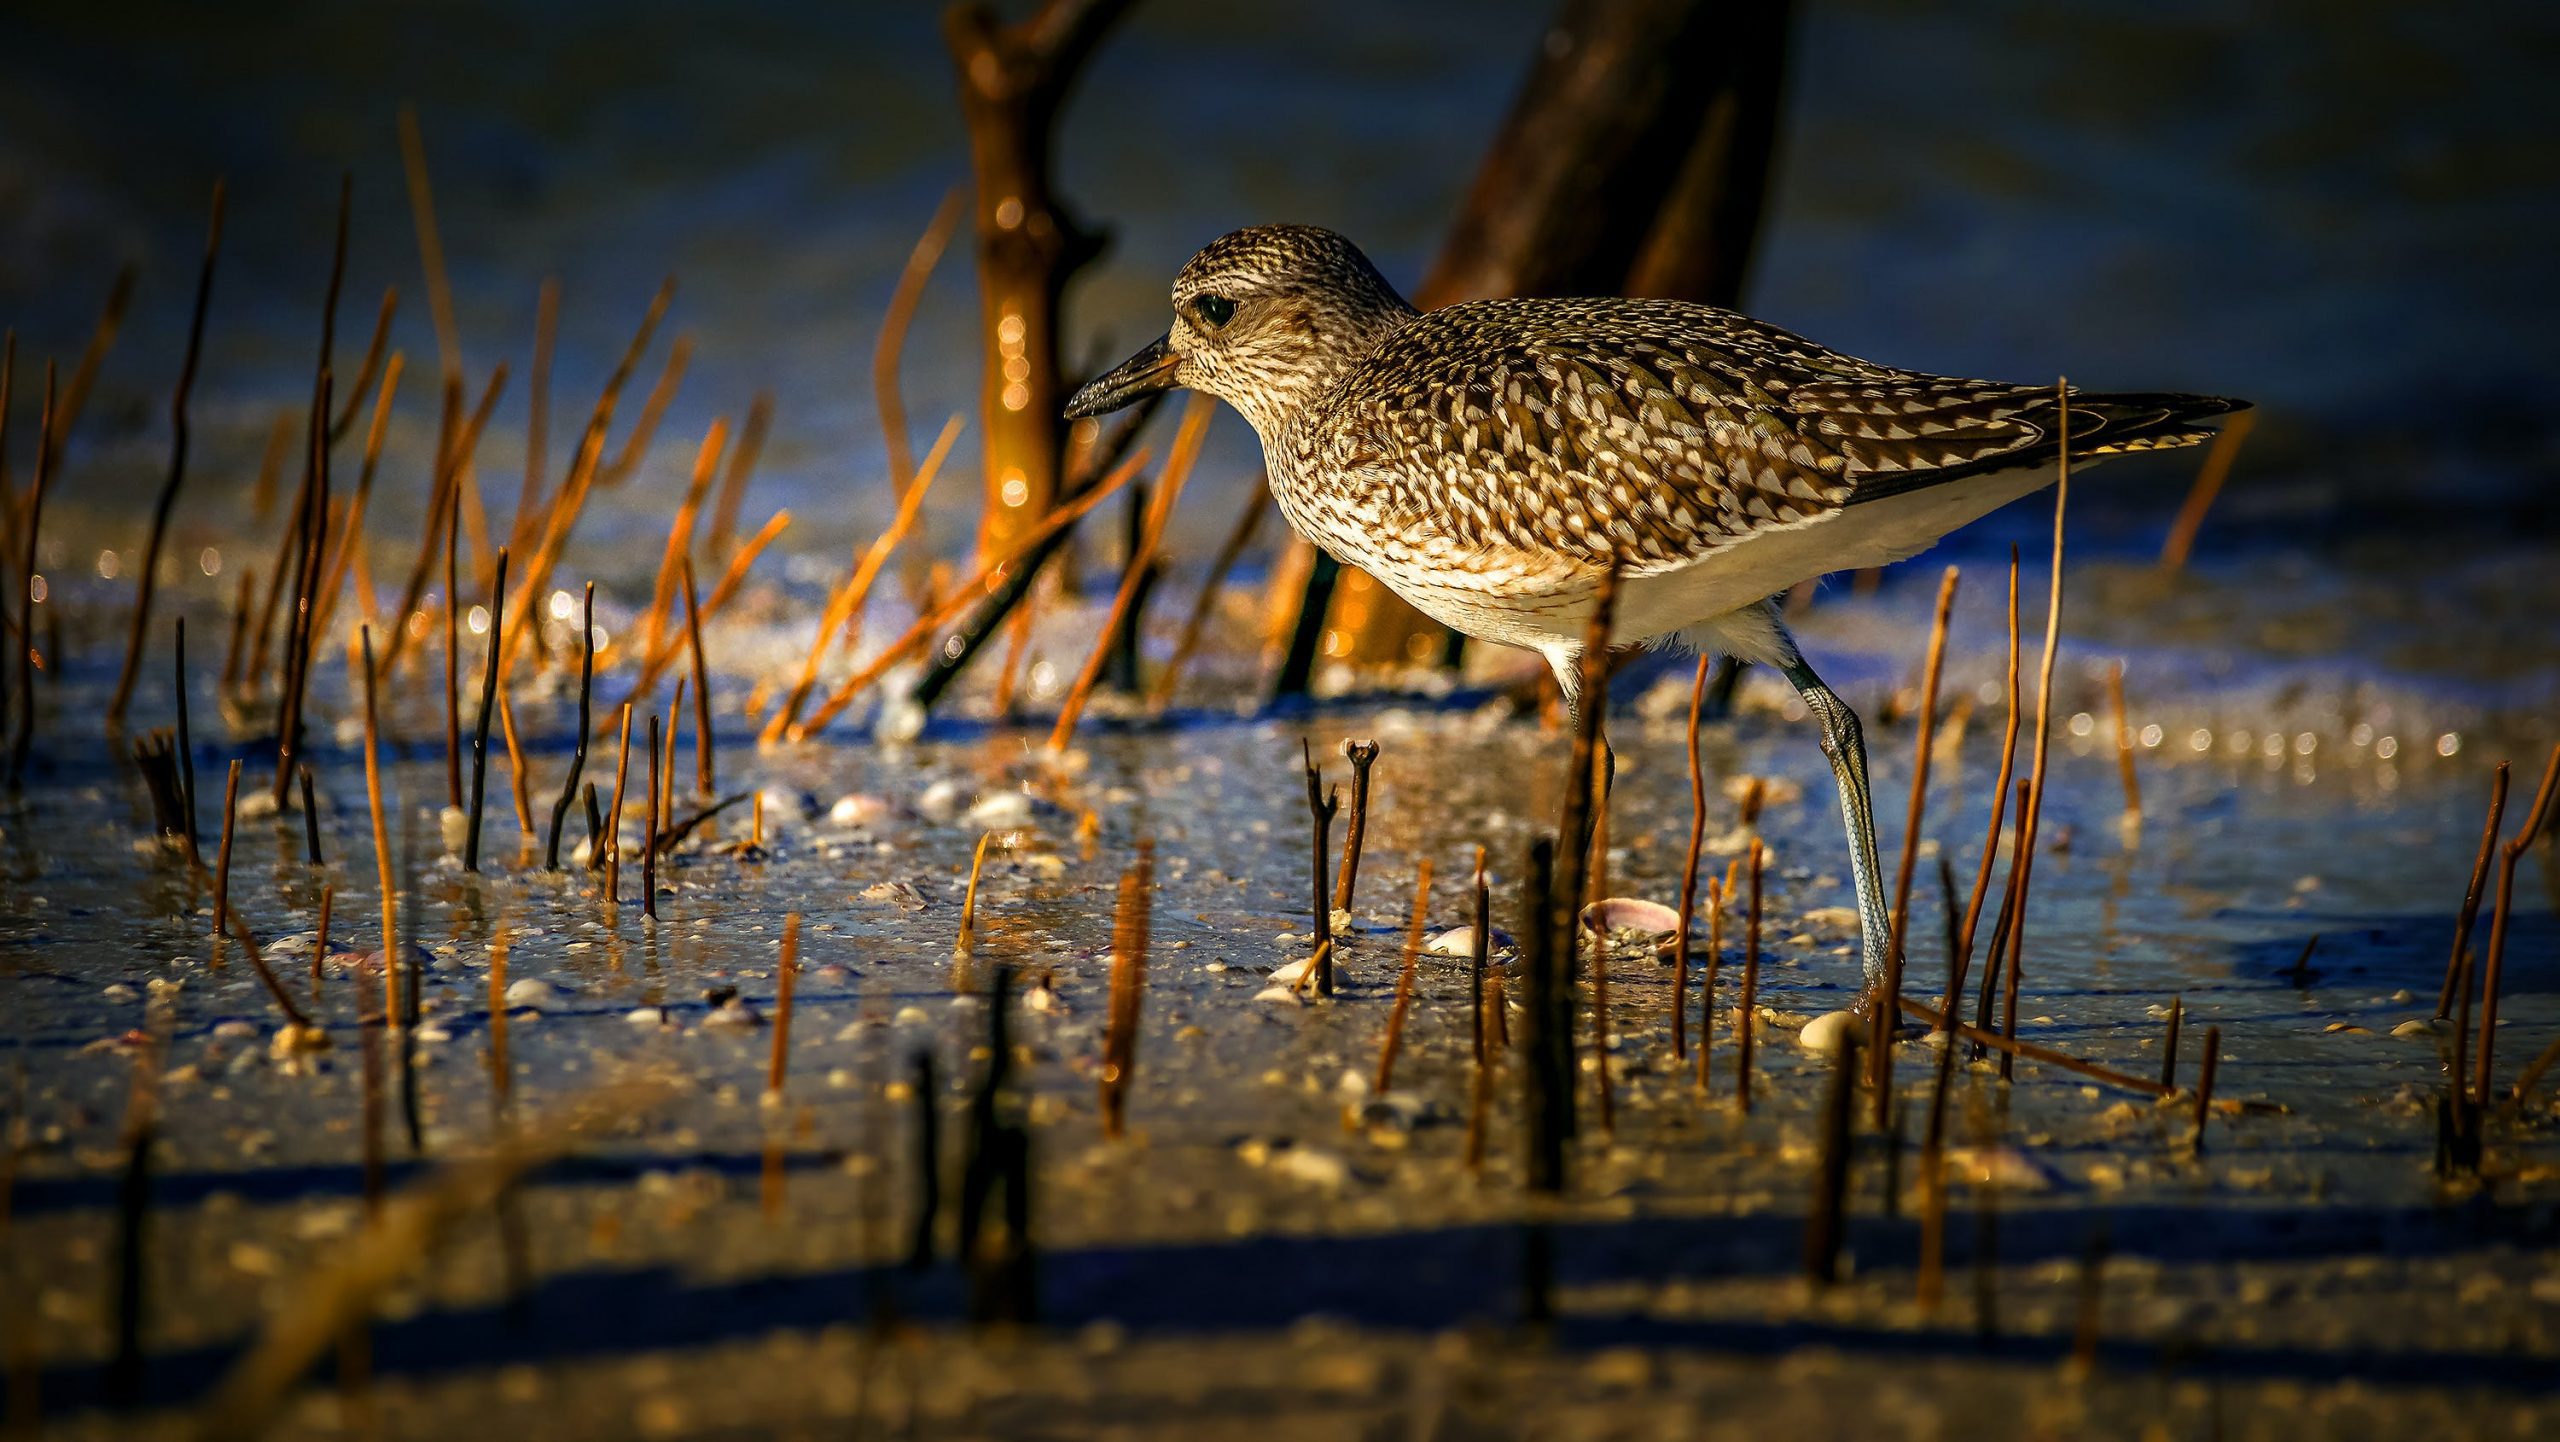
1282,393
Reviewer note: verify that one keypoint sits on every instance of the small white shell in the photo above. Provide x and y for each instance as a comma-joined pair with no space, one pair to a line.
534,992
856,810
1628,913
1001,811
1827,1033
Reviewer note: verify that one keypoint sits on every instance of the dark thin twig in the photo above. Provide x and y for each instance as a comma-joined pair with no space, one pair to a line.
488,704
703,782
23,734
1321,805
955,654
649,845
2534,820
1547,1080
145,582
1362,755
578,752
1479,949
2204,1083
2169,1044
310,819
1743,1025
186,740
2472,893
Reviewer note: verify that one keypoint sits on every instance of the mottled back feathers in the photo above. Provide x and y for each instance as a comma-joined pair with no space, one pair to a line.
1650,433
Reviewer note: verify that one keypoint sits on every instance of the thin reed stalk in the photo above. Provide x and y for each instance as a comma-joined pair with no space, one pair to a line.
310,818
2032,1051
2210,475
422,214
1404,978
2471,894
349,550
519,783
662,595
146,581
611,854
22,732
222,858
320,944
488,703
721,593
969,901
649,832
2169,1044
733,481
961,597
2124,750
1999,810
307,562
562,516
2534,820
366,368
1321,805
1880,1055
391,958
1187,441
537,425
578,741
1743,1024
786,977
1130,926
644,428
452,668
456,441
894,325
1479,950
1362,755
1232,549
704,782
841,622
2026,859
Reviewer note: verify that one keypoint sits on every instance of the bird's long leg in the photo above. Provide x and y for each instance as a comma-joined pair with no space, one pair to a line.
1847,749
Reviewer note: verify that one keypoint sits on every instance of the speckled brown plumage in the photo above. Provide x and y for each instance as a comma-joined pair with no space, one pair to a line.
1490,459
1494,461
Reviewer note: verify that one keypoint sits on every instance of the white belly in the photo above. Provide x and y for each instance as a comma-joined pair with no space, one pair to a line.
1551,607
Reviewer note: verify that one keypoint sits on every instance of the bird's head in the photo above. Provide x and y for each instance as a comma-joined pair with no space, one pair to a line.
1264,319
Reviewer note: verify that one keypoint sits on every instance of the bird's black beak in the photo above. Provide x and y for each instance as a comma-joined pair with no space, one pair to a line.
1141,375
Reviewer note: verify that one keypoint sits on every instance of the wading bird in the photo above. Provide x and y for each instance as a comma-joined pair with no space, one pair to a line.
1491,462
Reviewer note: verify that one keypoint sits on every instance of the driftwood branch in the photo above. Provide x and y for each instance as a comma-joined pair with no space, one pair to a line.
1013,78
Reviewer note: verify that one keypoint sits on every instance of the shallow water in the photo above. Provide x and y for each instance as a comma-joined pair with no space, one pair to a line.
1252,1193
2334,211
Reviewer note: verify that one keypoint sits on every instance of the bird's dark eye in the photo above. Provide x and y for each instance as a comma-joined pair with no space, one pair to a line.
1217,310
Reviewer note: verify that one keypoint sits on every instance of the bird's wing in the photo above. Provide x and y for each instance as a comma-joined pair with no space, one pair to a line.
1649,434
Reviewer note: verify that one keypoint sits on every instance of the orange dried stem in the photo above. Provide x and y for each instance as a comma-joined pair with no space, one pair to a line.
1404,977
1178,463
965,595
